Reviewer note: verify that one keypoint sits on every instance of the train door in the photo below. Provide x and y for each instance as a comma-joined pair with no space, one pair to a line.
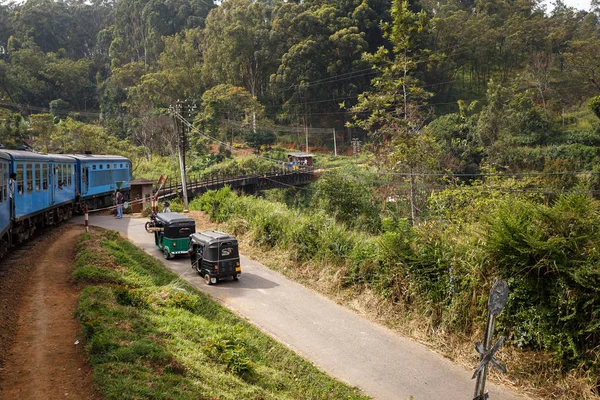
85,180
52,183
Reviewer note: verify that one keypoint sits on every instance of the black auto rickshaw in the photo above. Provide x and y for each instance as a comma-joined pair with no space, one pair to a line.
172,233
214,255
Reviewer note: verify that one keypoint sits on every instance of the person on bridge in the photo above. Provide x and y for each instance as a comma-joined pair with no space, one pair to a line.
166,208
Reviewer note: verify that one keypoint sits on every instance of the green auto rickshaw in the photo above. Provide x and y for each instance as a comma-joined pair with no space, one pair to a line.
214,255
173,233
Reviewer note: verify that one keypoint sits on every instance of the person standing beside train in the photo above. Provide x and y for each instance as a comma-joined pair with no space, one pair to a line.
119,201
11,185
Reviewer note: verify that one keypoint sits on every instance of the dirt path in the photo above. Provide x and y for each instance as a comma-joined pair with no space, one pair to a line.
40,359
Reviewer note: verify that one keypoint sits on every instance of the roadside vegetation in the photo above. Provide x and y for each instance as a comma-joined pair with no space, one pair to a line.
149,334
432,280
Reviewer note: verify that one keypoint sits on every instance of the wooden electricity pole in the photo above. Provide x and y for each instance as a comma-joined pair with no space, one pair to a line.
178,119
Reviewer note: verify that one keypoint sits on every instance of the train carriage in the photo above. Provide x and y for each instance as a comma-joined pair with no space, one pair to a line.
49,188
44,190
4,203
100,176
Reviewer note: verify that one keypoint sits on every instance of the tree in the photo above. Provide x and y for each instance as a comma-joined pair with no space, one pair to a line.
594,105
395,112
259,139
309,84
12,129
581,58
43,128
179,76
140,26
227,109
349,198
461,149
238,47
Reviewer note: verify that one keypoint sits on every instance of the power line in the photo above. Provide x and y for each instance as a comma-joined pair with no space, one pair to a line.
482,175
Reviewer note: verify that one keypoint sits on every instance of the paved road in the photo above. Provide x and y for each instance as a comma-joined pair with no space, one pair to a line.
363,354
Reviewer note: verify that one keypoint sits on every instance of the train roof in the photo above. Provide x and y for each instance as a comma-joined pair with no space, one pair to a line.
97,157
31,156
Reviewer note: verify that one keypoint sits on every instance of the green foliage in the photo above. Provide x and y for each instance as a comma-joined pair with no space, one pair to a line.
154,336
348,199
230,349
217,204
225,109
260,139
549,257
239,166
594,105
443,269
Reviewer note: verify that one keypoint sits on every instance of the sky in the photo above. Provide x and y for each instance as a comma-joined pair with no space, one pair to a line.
578,4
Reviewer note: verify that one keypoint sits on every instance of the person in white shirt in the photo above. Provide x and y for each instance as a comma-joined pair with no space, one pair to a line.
11,185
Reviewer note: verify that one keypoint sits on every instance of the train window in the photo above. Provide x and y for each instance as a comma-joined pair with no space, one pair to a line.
38,177
100,166
70,175
93,167
121,165
29,177
107,166
115,166
20,179
45,177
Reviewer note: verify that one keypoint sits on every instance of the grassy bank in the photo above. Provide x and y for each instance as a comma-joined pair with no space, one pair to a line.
149,335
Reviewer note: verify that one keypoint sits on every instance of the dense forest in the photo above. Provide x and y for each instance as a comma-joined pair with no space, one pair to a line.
466,83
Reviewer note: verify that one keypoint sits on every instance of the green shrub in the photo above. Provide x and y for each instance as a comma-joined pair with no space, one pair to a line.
269,226
550,258
305,237
218,204
230,349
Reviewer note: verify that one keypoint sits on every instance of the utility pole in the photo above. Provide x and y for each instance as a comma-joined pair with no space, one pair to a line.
334,144
306,134
177,110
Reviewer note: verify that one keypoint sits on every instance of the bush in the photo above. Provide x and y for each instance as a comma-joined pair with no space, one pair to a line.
218,204
550,258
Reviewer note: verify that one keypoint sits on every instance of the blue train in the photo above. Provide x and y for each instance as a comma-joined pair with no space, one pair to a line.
49,188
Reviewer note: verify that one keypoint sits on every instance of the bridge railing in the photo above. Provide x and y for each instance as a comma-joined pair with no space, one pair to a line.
173,184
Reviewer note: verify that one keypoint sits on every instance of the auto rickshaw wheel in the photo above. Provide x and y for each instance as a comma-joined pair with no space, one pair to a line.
166,254
207,279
